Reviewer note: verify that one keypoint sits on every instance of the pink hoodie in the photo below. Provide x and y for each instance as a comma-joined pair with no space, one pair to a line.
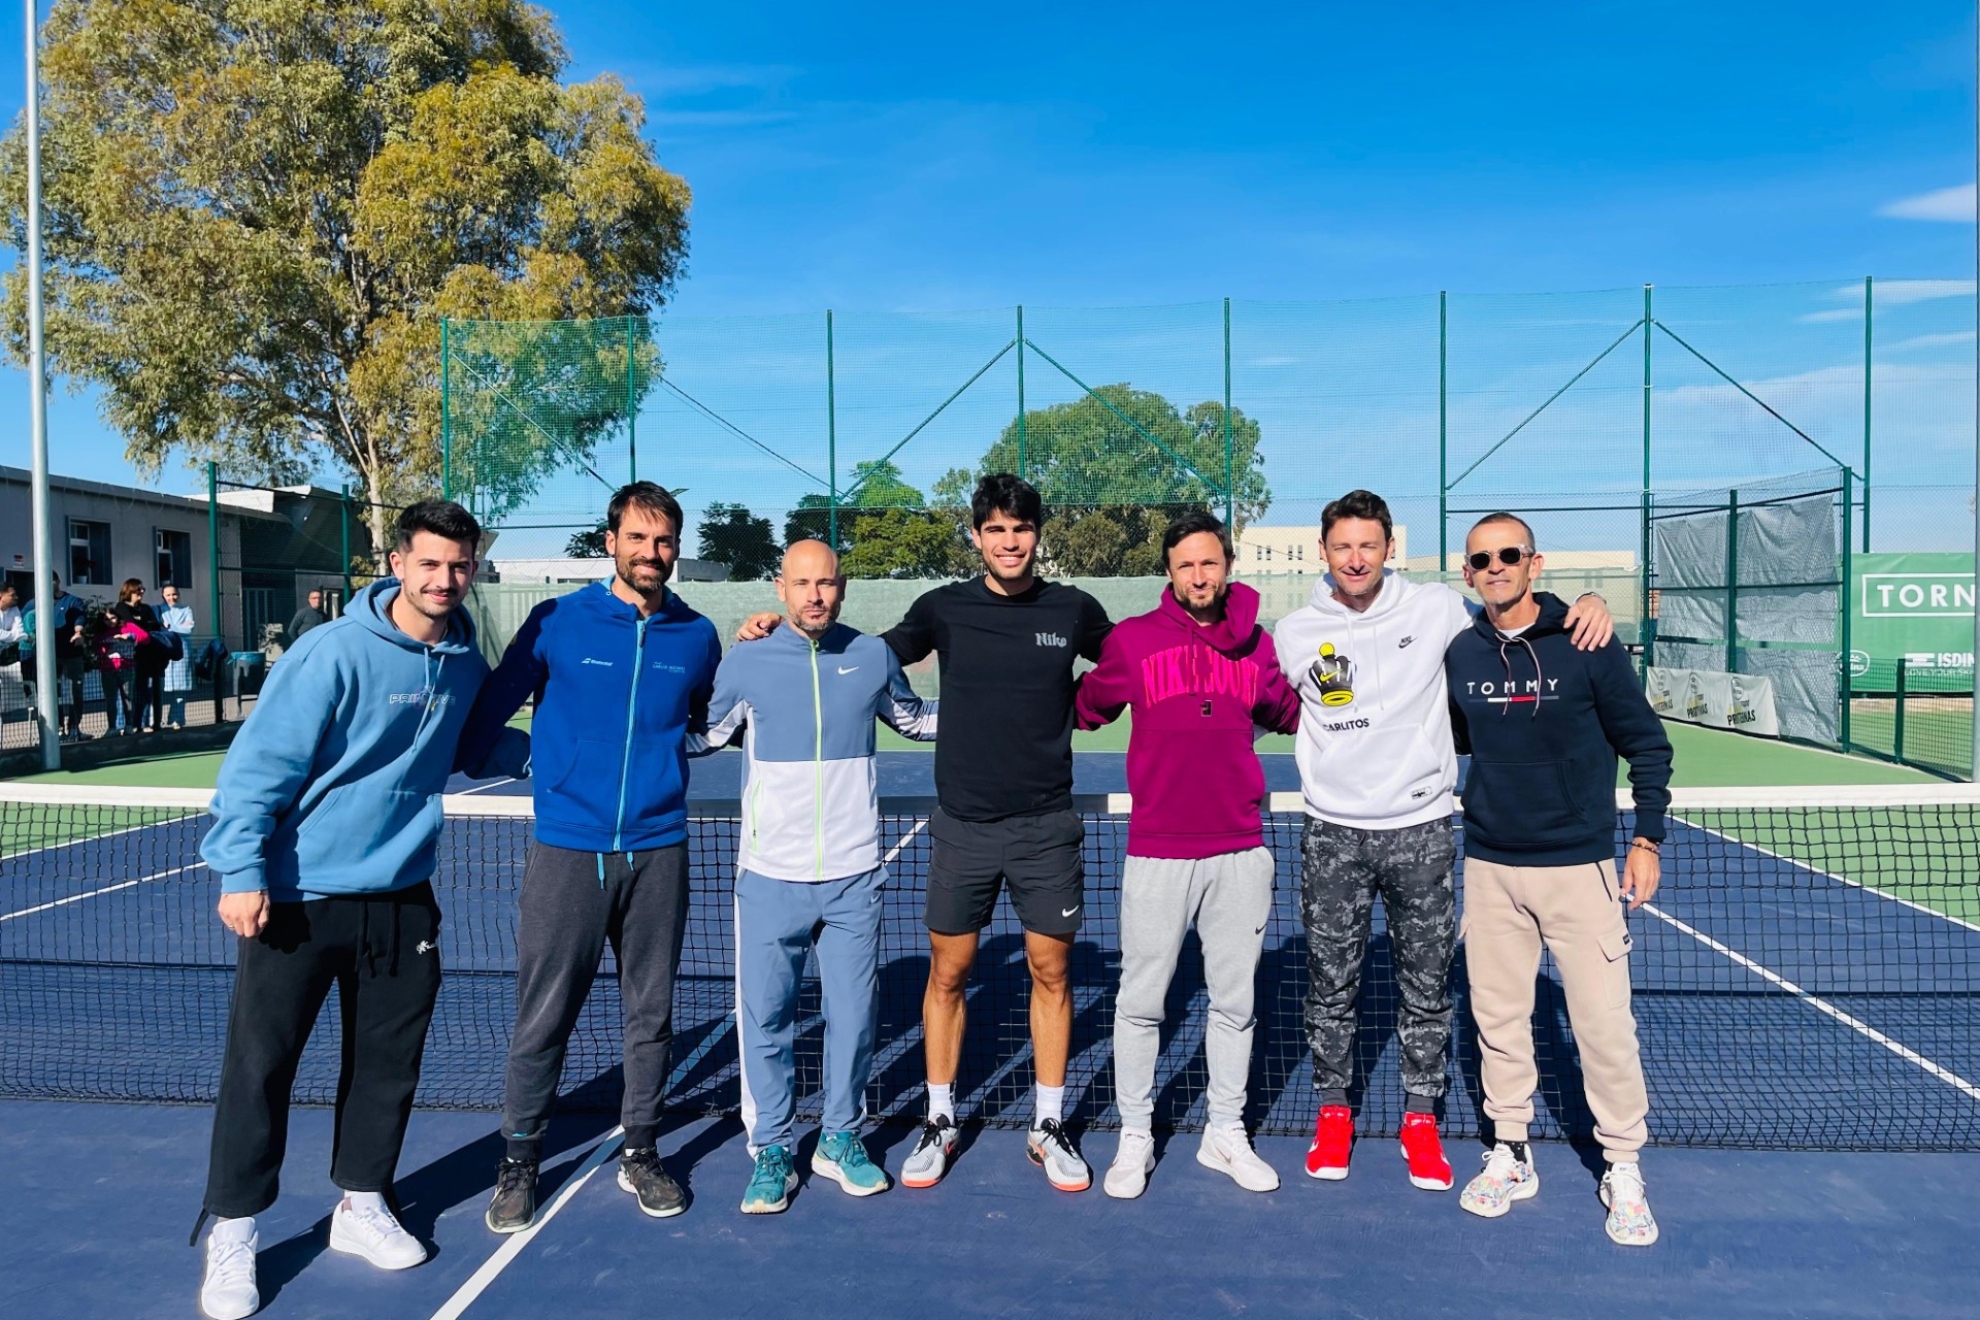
1196,692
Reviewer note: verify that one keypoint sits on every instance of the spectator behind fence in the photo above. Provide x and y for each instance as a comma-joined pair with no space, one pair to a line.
70,653
309,616
139,658
177,620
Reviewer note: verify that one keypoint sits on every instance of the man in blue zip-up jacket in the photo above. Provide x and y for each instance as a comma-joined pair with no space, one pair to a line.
810,866
324,830
625,670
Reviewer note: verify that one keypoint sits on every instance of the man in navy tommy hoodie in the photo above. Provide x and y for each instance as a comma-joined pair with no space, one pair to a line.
625,669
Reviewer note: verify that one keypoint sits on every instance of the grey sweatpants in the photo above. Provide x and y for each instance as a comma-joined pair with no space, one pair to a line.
572,902
1228,897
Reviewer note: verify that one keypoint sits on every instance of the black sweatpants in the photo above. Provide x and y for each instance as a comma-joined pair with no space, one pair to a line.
381,953
572,902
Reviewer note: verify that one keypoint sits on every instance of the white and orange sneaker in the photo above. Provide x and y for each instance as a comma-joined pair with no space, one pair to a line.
1050,1148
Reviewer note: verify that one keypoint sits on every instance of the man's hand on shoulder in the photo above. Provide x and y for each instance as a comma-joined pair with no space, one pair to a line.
758,626
245,914
1590,624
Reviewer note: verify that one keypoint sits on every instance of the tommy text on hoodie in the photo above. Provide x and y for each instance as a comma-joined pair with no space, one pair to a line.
1197,691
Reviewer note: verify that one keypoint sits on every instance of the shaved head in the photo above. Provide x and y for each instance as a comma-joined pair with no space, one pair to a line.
810,587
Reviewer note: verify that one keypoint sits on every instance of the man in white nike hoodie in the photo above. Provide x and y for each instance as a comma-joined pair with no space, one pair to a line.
1377,770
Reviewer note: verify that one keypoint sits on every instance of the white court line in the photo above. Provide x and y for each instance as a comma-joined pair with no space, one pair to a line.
505,1255
491,1269
107,889
1822,1005
490,785
895,851
1826,875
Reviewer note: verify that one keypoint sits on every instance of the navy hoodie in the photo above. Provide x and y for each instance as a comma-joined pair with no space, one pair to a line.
1545,724
608,744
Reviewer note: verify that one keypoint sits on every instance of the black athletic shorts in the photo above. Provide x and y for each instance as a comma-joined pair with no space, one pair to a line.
1038,856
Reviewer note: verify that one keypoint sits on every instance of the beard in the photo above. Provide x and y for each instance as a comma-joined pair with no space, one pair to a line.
644,575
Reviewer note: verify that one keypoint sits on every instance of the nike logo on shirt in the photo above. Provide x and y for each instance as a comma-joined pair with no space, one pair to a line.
848,671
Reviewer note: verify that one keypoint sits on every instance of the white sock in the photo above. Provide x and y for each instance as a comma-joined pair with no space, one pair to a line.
234,1230
1050,1103
366,1201
941,1100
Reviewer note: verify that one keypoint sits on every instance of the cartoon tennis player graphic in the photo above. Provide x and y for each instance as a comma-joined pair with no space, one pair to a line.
1334,673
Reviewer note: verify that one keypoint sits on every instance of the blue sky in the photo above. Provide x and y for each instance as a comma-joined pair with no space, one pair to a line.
886,158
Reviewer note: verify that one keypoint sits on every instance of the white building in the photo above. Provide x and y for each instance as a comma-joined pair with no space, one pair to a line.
590,570
1263,550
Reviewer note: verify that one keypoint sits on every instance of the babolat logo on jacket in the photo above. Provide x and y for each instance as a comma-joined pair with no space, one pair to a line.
333,785
811,806
608,744
1545,723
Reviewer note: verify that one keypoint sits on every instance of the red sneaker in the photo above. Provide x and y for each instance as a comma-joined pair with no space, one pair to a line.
1428,1168
1333,1138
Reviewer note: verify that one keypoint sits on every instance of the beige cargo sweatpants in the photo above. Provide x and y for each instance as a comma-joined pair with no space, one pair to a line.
1509,912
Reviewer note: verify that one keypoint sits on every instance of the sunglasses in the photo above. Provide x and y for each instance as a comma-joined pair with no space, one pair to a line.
1510,556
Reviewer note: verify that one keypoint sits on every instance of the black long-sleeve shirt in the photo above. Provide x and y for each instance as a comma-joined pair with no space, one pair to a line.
1005,745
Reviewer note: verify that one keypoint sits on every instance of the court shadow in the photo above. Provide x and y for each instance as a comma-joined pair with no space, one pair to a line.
1560,1099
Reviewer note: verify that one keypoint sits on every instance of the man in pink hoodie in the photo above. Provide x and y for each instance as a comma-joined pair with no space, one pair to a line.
1200,674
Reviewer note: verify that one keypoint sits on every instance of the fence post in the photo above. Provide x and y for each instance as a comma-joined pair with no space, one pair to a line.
632,415
1866,414
831,438
1230,479
345,511
1848,650
214,603
1443,429
446,411
1897,728
1732,582
1020,348
1643,561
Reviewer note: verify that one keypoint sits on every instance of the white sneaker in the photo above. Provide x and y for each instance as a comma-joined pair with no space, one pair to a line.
1226,1149
933,1150
1050,1147
1134,1160
228,1291
373,1235
1507,1177
1630,1223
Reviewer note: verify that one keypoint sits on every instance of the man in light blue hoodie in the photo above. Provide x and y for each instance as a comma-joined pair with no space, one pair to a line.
810,870
324,833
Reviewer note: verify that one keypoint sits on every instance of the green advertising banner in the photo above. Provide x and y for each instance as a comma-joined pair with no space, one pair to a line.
1912,607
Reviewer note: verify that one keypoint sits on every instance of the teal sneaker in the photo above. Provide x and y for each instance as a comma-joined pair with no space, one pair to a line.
842,1158
770,1187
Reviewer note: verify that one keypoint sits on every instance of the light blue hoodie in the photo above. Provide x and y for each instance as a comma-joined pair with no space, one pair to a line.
333,785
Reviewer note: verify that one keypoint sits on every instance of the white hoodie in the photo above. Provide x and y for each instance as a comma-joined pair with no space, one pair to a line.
1375,748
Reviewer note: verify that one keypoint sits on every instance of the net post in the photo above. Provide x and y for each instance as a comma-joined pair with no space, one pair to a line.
831,438
1848,650
632,413
1020,365
446,410
1732,582
1443,430
1897,720
1867,306
1230,478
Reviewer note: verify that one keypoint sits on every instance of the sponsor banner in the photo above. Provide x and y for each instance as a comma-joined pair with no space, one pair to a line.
1744,702
1913,607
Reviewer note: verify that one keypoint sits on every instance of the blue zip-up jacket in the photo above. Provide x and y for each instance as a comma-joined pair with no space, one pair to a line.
1545,724
608,749
333,785
811,805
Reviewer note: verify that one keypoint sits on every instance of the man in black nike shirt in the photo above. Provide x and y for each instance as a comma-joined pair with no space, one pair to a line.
1003,782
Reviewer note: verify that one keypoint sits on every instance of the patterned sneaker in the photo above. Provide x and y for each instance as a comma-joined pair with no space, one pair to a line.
1226,1149
228,1291
640,1173
370,1233
842,1158
513,1206
1630,1223
1333,1141
929,1159
770,1187
1134,1160
1051,1149
1509,1176
1428,1168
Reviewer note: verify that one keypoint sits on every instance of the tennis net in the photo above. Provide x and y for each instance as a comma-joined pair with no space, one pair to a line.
1805,979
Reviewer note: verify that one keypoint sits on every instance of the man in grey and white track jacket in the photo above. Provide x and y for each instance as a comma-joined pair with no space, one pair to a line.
809,863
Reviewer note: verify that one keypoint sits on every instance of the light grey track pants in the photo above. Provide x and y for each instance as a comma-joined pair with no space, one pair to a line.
1228,898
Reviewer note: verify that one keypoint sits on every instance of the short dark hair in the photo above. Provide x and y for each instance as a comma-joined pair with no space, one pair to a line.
1186,525
1532,542
442,518
647,496
1000,492
1358,504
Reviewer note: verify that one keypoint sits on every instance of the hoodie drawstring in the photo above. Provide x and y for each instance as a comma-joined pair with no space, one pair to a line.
1539,679
601,870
